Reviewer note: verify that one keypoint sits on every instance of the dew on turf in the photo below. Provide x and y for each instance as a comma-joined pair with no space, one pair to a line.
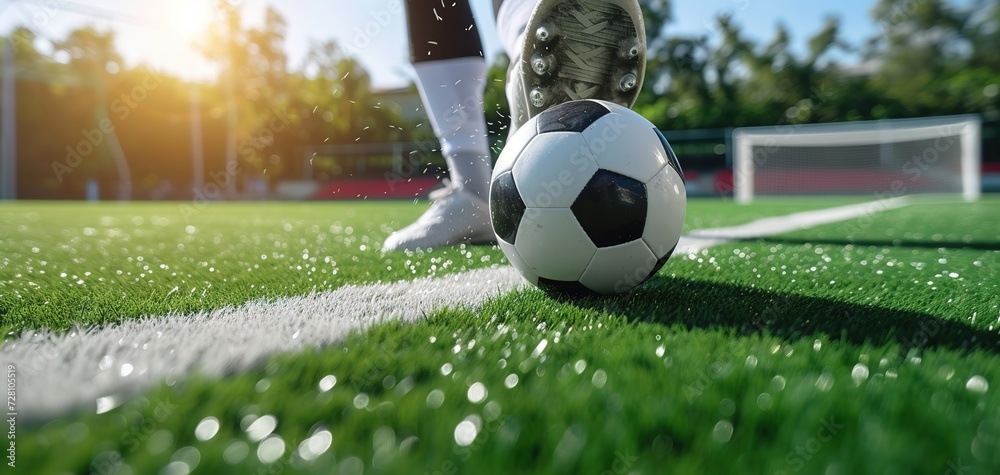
600,378
727,407
723,431
511,381
206,429
765,401
859,374
540,348
107,403
261,427
467,430
236,452
315,445
477,393
778,383
825,381
361,400
977,384
176,468
271,449
435,399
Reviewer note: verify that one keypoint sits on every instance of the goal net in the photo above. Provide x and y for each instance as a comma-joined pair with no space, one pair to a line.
888,158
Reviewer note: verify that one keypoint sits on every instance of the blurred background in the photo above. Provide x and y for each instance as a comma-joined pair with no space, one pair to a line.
245,99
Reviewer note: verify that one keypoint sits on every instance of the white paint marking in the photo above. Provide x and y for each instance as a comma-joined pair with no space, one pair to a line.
102,367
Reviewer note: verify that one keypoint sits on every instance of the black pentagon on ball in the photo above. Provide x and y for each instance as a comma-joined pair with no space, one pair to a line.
671,157
612,209
564,289
573,116
506,207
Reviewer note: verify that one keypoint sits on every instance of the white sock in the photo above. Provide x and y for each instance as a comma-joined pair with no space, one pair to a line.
452,93
512,18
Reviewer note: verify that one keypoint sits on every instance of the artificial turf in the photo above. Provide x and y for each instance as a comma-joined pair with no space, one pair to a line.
66,264
870,346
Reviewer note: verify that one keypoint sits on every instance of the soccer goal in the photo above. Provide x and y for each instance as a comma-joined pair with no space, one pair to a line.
886,158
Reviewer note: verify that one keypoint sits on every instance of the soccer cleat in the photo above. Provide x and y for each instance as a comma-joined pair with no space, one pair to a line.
578,49
456,217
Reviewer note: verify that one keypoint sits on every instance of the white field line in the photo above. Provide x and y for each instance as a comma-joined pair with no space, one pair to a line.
102,367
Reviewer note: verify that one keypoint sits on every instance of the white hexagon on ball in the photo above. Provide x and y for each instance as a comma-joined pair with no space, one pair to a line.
555,180
513,148
553,244
622,145
619,268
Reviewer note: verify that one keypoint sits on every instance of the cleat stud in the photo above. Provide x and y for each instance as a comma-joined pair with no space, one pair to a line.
541,65
545,33
630,49
538,97
628,82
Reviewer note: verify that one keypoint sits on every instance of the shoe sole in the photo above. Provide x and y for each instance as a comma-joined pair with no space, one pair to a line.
583,49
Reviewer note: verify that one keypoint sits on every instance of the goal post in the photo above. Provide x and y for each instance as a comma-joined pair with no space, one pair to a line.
887,157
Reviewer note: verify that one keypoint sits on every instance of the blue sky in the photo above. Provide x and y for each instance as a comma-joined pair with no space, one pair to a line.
160,33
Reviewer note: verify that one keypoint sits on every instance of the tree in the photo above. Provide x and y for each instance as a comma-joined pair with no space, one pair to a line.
918,44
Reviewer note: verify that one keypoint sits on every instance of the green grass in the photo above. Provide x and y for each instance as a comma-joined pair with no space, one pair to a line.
65,264
73,263
847,348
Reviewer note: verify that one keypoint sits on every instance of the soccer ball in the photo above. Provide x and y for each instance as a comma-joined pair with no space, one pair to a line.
587,198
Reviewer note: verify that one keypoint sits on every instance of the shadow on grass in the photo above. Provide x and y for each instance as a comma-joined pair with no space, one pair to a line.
745,311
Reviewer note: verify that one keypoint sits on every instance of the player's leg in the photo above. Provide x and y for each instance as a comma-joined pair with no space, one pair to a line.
447,56
564,50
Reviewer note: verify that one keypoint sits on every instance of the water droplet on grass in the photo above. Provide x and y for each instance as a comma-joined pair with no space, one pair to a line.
859,374
977,384
765,401
722,432
271,450
465,432
236,452
435,399
824,382
477,393
207,428
600,378
262,427
316,445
